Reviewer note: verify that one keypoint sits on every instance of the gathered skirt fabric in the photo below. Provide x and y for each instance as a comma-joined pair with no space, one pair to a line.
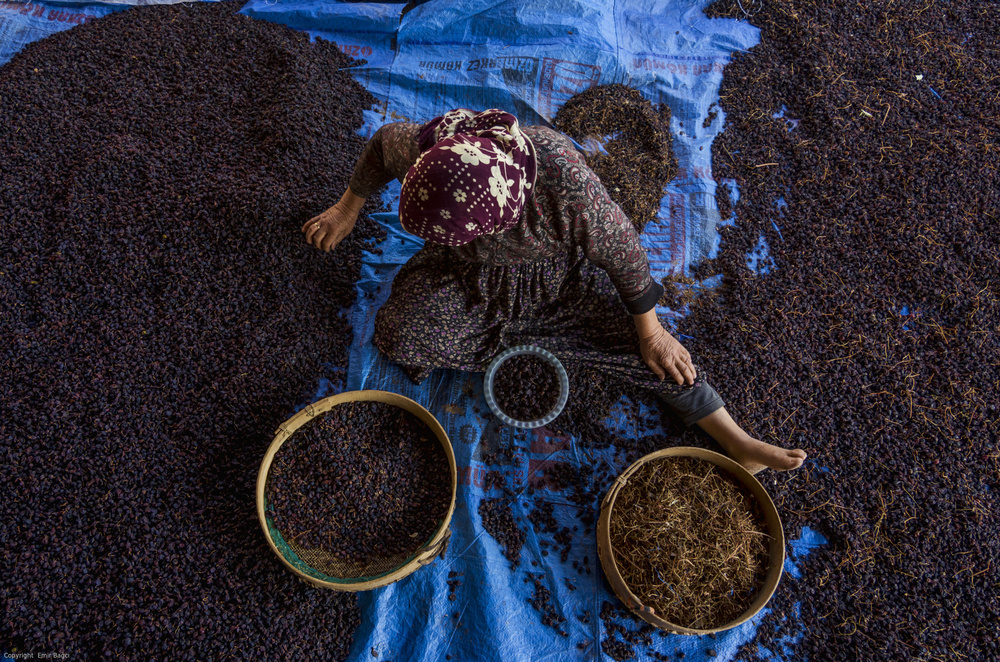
446,312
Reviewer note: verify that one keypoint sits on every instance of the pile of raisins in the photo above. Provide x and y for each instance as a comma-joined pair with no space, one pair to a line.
160,316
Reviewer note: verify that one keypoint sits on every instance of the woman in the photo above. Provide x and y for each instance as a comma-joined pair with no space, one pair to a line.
522,246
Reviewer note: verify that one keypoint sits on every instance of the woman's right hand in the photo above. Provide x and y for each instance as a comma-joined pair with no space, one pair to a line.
329,228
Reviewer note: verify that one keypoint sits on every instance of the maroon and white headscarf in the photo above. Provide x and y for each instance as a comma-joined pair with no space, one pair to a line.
474,175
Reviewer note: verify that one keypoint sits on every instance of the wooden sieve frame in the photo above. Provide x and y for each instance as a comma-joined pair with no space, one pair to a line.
425,554
776,547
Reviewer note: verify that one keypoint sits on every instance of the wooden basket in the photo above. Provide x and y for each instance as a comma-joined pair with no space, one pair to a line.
318,567
776,549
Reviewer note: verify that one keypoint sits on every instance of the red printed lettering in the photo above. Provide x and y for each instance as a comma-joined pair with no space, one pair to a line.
544,441
66,17
680,68
355,51
697,172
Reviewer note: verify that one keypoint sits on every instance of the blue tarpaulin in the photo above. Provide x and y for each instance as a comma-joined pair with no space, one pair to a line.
529,58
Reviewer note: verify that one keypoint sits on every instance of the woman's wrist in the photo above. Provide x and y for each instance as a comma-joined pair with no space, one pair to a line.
647,324
352,201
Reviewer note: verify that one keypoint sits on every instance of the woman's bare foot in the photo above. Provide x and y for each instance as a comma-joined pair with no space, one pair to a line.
754,454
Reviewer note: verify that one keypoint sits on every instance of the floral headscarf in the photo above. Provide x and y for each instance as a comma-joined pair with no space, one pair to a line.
473,177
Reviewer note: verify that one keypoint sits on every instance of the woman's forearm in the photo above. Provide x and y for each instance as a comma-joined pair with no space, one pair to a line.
388,155
370,173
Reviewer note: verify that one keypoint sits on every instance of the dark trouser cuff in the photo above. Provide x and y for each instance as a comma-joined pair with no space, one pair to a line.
693,403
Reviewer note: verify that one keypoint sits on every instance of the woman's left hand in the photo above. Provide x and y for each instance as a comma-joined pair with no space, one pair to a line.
665,355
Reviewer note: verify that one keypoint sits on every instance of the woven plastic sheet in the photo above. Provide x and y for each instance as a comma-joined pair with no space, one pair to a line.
529,58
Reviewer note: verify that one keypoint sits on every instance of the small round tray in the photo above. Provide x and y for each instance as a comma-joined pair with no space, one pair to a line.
541,353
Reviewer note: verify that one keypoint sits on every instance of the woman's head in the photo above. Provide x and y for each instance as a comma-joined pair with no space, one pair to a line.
473,177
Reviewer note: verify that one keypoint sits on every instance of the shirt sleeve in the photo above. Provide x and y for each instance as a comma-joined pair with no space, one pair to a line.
605,234
387,156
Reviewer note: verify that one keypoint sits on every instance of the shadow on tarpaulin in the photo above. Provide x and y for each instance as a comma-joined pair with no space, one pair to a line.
423,59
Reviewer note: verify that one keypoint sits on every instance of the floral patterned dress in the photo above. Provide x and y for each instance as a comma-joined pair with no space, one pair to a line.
566,278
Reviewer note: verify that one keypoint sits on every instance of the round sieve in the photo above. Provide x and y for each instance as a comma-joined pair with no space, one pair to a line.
318,566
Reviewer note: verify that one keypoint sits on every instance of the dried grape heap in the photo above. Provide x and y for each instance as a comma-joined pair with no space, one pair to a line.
160,315
526,387
498,520
627,143
873,341
689,542
541,601
364,482
619,642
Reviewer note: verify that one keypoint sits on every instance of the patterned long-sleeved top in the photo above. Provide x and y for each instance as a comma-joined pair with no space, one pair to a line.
569,210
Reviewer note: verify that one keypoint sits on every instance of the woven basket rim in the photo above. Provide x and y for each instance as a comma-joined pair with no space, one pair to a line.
776,548
423,555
